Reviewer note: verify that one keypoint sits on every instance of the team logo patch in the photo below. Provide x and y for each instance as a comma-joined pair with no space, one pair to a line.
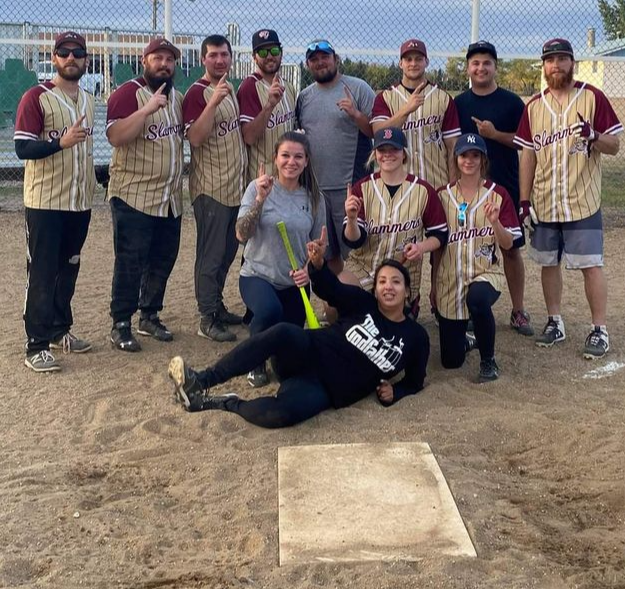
470,138
435,136
580,146
487,252
388,134
264,34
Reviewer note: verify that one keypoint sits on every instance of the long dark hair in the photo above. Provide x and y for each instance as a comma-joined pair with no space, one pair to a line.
398,266
307,178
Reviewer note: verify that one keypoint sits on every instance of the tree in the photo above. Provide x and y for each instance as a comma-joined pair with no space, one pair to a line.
613,16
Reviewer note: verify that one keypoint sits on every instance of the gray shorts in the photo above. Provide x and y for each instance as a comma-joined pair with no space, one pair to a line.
580,243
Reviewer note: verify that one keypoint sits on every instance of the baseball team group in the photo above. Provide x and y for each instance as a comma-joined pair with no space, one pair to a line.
368,186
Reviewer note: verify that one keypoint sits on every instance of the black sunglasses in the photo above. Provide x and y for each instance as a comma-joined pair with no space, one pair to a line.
264,52
77,52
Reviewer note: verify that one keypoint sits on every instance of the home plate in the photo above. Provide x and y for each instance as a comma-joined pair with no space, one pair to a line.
363,502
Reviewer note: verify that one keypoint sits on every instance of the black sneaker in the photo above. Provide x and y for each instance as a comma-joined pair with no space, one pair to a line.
520,322
489,370
188,391
258,377
218,402
122,338
214,329
553,332
152,326
227,317
597,344
470,342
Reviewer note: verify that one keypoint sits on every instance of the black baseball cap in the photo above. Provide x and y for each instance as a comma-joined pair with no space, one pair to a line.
264,37
555,46
482,47
392,136
470,141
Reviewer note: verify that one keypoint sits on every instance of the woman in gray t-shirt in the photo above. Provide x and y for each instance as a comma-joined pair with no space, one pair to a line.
268,285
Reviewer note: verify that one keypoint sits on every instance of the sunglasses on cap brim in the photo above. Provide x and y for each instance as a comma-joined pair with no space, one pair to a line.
319,46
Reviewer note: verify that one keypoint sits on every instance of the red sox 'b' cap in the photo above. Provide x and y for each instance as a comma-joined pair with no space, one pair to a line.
161,43
70,37
413,45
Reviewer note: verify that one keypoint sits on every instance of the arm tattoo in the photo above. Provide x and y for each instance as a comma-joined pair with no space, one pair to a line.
246,225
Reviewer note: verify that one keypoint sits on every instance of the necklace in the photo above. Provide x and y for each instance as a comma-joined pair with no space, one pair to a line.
460,193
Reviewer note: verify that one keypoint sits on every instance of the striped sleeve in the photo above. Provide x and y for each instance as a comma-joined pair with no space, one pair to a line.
434,219
29,121
451,121
507,214
605,120
381,111
193,104
249,102
523,136
122,103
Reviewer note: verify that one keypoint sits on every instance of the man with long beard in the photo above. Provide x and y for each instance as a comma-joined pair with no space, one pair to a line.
53,133
563,132
144,126
334,113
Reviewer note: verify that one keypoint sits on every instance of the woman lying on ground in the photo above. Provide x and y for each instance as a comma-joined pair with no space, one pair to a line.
268,285
372,347
469,272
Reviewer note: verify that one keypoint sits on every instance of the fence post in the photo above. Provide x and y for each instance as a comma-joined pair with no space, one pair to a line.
475,21
169,29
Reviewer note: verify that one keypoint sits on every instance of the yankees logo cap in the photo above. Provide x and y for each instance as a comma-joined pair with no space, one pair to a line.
470,141
555,46
482,47
265,37
389,136
70,37
161,43
413,45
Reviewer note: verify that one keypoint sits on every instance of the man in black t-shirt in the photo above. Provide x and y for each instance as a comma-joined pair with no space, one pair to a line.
495,113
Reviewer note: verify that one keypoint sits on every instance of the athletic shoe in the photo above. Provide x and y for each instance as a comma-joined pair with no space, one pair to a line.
218,402
227,317
122,338
69,343
470,343
258,377
489,370
188,391
470,328
520,322
597,344
42,361
552,333
153,327
213,328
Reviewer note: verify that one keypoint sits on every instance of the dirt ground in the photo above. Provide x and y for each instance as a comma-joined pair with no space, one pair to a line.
105,483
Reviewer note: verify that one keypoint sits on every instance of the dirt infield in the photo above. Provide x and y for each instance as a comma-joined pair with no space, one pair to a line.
105,483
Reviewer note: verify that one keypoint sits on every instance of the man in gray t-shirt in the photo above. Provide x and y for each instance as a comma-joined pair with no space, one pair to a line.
334,112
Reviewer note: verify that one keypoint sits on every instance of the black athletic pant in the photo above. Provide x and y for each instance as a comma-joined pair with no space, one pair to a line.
481,297
301,394
146,248
215,249
54,240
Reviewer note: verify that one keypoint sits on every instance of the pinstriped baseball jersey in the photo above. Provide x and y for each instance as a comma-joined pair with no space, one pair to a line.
411,215
252,95
567,180
471,254
64,181
147,172
218,165
425,129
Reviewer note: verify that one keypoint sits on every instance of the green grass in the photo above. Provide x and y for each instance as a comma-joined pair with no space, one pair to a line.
613,186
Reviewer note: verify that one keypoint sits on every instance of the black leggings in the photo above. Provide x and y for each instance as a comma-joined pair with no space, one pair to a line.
301,394
480,299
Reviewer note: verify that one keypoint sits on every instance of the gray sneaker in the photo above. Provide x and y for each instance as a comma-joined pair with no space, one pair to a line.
521,323
553,332
213,328
69,343
489,370
597,344
42,361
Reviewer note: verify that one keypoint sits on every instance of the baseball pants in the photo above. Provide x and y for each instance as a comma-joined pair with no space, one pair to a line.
146,249
301,394
54,240
215,249
481,297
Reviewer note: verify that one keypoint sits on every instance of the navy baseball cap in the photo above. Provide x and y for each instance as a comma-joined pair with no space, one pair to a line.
470,141
392,136
319,45
482,47
555,46
264,37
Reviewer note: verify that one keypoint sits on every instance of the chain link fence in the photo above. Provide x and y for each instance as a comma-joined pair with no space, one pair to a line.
366,33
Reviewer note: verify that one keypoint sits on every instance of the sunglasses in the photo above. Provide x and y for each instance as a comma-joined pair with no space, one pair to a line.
77,52
319,46
274,51
462,213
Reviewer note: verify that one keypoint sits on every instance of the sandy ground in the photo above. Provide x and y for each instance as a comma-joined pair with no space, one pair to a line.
104,482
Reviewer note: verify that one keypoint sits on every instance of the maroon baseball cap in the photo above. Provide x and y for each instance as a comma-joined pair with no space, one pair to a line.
413,45
555,46
161,43
70,37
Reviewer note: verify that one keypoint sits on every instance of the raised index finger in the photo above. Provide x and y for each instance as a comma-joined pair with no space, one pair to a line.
349,189
79,121
261,169
162,87
223,78
323,238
